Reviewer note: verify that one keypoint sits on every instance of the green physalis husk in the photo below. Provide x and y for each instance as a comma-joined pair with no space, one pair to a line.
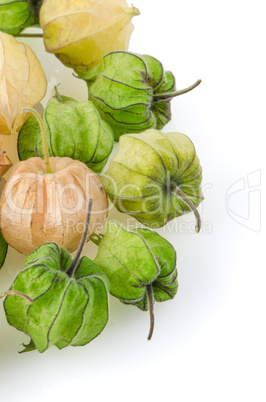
15,15
155,177
140,266
3,249
132,92
62,309
74,129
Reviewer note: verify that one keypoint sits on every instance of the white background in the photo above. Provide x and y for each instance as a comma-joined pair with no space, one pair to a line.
209,343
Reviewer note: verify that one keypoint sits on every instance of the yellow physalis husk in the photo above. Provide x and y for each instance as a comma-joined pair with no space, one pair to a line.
81,32
22,82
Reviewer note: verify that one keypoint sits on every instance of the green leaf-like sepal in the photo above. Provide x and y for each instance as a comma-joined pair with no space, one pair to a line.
132,92
135,261
3,249
62,310
15,15
74,129
155,177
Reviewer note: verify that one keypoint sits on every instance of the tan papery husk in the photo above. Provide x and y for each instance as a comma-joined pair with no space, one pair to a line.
5,162
22,82
36,207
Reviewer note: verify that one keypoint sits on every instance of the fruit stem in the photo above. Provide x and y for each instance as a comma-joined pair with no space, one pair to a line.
134,11
96,238
57,94
72,267
48,168
151,310
24,35
169,95
190,204
15,293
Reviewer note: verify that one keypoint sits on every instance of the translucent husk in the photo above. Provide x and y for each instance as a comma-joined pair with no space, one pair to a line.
45,201
80,33
23,84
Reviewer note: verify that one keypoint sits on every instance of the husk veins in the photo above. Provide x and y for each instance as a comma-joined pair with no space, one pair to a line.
74,129
65,301
140,266
132,92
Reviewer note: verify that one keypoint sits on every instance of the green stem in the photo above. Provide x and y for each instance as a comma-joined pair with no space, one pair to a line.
57,94
72,267
151,310
134,11
169,95
96,238
15,293
190,204
48,168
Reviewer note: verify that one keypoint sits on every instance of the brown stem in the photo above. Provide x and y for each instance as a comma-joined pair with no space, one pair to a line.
190,204
170,95
72,267
15,293
151,310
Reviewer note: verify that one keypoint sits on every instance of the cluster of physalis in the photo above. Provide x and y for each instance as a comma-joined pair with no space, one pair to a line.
61,301
154,177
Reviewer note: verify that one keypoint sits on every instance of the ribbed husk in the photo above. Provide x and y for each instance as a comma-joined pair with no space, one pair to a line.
36,207
22,82
81,32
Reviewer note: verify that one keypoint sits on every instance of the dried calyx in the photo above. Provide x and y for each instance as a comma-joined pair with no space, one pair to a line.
45,200
5,163
22,82
81,32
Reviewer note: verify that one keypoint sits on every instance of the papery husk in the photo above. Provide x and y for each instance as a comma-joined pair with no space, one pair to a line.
36,207
5,162
2,185
73,129
81,32
15,15
22,82
155,177
132,92
56,307
140,266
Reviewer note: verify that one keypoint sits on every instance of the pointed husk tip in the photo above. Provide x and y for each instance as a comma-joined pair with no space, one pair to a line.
135,11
